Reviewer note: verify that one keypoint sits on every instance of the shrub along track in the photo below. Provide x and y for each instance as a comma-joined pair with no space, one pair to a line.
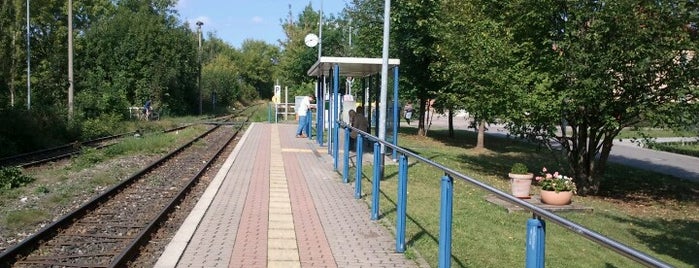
32,159
110,229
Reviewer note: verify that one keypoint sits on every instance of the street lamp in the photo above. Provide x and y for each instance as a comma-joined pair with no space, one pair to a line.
70,59
199,24
29,67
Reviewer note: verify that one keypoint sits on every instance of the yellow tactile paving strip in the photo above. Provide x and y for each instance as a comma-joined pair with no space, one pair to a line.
282,249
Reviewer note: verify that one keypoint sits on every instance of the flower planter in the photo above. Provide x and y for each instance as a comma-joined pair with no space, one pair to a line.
521,184
558,199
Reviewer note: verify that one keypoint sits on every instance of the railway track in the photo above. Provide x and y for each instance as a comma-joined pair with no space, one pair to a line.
56,153
109,229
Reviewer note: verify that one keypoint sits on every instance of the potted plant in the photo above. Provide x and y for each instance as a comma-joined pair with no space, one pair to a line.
556,189
521,180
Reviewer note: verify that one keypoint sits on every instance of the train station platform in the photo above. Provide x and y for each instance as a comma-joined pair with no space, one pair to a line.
276,202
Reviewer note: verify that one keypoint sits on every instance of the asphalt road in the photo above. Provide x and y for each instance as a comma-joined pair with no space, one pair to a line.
623,152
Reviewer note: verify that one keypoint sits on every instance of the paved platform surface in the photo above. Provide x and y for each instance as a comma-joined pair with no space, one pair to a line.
277,202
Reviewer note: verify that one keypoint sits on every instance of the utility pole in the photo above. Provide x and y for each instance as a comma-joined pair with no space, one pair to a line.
384,73
199,24
320,31
29,66
70,59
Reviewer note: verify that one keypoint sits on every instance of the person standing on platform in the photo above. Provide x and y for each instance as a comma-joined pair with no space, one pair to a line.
360,122
302,112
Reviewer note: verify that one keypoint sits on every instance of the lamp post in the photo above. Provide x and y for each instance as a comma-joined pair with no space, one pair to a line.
320,31
384,73
29,67
70,59
199,24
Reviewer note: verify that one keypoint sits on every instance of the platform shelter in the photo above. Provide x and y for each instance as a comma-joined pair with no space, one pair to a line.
330,71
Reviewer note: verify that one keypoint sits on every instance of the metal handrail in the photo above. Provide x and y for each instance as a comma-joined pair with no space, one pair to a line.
538,212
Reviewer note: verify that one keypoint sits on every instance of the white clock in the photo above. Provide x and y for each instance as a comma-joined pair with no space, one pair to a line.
311,40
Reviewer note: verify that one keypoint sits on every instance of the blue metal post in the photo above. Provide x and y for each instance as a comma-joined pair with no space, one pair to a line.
309,121
345,163
402,208
320,111
335,117
330,123
376,183
536,243
358,177
445,222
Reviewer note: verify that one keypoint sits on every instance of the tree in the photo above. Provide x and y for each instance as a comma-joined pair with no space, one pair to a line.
598,67
136,53
296,58
480,68
257,66
415,30
10,37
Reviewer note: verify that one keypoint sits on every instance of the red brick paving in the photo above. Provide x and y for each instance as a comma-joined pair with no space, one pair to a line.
332,228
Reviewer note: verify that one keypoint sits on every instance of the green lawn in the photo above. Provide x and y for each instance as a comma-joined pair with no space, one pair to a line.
653,213
691,149
631,133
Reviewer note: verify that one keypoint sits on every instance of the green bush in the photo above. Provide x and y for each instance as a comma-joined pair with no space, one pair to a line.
26,131
519,168
103,125
12,177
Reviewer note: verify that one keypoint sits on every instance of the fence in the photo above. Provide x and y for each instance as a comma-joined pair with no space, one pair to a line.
283,111
535,229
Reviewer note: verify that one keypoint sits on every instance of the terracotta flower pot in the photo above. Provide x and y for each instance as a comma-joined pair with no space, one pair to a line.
558,199
521,184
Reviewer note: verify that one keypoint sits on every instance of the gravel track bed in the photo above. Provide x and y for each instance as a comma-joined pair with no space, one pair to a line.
96,237
150,253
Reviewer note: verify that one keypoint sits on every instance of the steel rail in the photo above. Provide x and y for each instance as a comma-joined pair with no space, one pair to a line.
143,237
8,256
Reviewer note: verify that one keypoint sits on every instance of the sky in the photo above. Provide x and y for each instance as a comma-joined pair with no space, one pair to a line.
237,20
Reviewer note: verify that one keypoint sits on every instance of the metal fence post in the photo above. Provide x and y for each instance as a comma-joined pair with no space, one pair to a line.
536,243
336,145
376,183
358,166
309,122
345,163
402,204
445,222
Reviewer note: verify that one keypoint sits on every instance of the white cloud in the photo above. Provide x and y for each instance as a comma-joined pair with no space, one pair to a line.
257,20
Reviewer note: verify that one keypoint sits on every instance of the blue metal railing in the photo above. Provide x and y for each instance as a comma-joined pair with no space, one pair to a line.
535,230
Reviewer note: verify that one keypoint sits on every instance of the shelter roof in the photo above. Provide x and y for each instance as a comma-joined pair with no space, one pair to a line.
350,66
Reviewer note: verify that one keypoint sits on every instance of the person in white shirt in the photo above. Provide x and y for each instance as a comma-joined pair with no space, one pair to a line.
302,112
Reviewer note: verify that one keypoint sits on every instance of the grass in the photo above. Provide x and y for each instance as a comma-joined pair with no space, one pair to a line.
650,212
16,219
59,186
639,133
686,148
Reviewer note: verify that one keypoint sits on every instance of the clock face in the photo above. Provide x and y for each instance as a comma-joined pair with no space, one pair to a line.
311,40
